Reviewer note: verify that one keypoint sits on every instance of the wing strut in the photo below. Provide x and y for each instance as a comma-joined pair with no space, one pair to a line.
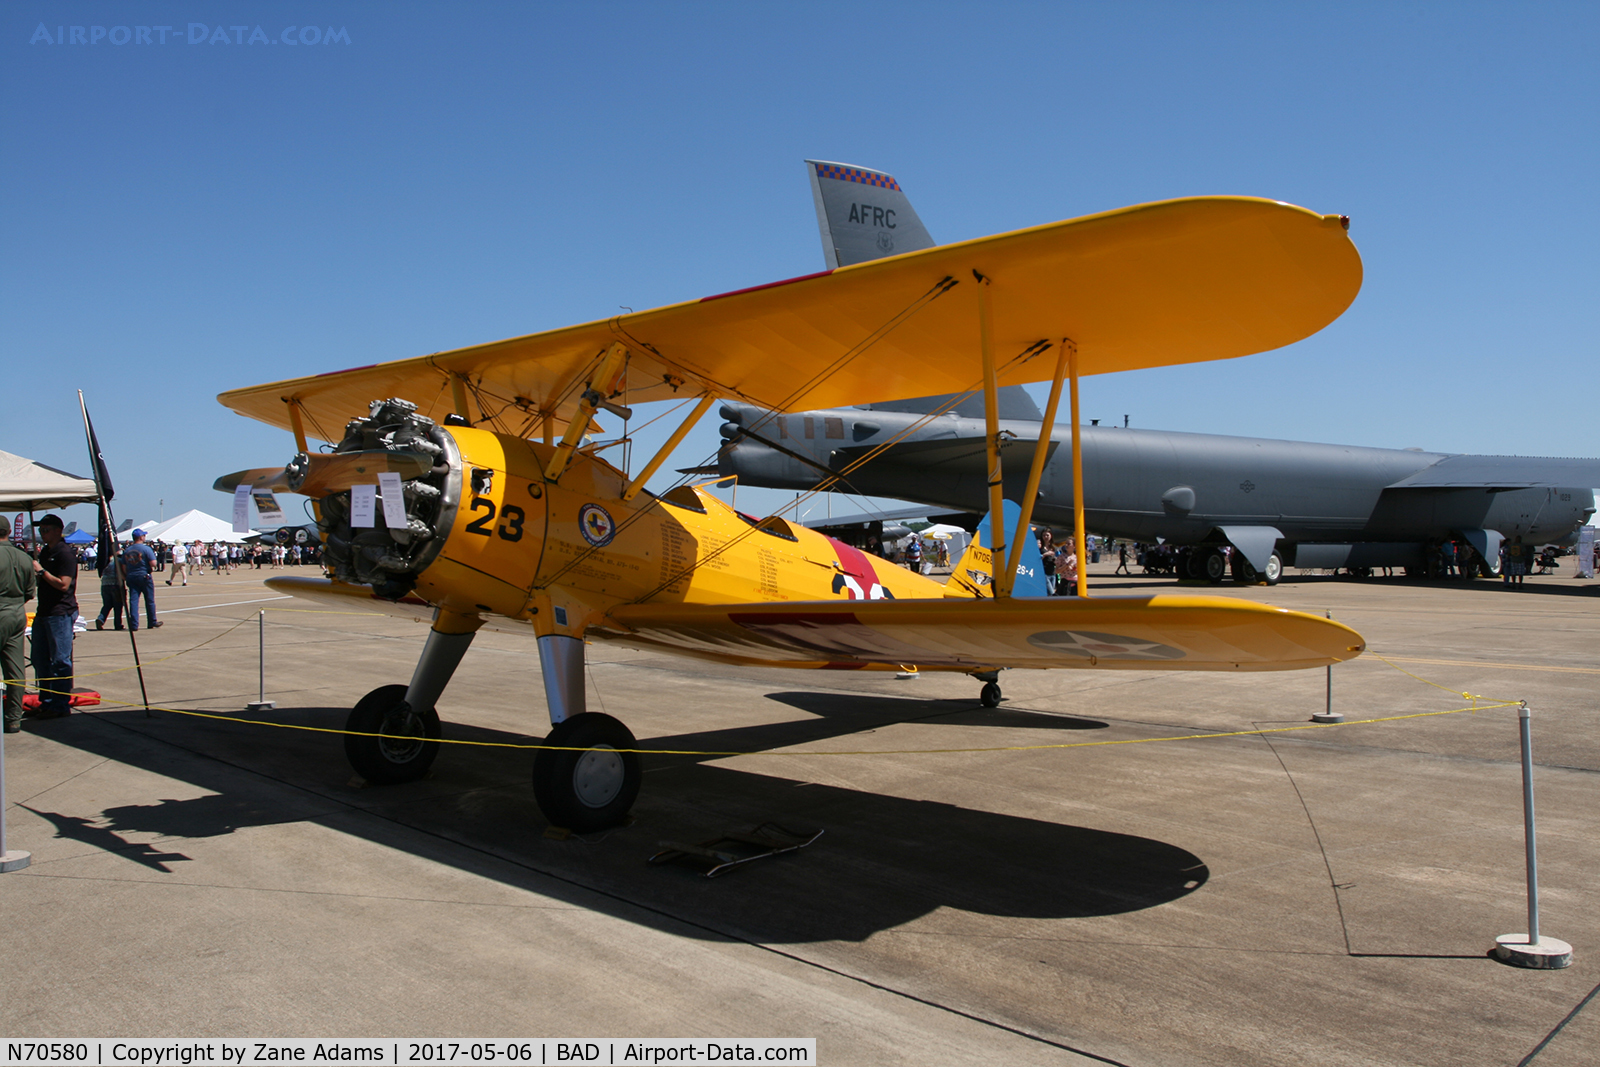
1077,478
600,387
1000,578
665,450
1041,449
458,393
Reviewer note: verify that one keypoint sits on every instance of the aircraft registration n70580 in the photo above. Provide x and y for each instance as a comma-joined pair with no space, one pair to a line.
495,511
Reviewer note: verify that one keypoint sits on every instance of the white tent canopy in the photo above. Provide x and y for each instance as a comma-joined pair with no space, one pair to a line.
127,535
28,485
189,527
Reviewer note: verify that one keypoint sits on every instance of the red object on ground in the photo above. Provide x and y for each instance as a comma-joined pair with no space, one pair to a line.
81,698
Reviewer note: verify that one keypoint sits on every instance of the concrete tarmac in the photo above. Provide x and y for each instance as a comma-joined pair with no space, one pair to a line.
1314,896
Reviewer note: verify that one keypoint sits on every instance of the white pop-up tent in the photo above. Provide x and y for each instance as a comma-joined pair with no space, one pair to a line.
191,526
26,485
126,536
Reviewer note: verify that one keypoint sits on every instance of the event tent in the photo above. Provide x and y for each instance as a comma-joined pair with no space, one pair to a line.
147,525
27,485
189,527
80,537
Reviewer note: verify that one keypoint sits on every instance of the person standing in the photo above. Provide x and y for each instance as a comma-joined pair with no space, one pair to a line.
914,555
180,563
1067,568
17,587
56,571
110,594
1122,561
137,563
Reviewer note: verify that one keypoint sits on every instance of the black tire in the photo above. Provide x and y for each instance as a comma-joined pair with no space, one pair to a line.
989,695
411,743
579,781
1214,565
1243,572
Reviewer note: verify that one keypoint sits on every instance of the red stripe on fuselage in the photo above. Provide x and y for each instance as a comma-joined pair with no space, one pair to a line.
857,563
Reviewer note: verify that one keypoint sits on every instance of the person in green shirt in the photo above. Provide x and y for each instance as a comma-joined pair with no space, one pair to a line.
17,587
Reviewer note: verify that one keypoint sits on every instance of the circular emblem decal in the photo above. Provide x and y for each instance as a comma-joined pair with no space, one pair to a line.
594,522
1089,645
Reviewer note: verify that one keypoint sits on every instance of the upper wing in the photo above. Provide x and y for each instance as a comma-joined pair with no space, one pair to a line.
1179,281
1186,633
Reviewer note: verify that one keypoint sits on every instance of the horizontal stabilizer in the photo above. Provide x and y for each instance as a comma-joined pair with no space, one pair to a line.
1505,472
1012,401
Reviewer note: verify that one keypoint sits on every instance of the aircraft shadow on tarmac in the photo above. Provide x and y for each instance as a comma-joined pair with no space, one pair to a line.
883,860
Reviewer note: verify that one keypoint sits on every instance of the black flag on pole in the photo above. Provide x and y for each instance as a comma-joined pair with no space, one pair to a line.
102,477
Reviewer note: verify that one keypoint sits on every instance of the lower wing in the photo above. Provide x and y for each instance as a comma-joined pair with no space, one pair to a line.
1185,633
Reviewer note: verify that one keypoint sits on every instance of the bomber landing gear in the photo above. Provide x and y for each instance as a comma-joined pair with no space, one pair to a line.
1246,574
1215,565
409,739
580,779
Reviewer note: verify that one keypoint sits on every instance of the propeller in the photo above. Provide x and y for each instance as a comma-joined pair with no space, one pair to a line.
321,473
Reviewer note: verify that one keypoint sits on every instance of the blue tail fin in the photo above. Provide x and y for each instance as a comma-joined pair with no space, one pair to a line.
970,576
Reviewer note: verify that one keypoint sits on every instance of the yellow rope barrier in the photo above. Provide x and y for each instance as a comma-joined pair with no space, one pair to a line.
1473,698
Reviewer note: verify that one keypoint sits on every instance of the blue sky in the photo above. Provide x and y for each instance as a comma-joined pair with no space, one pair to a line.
184,218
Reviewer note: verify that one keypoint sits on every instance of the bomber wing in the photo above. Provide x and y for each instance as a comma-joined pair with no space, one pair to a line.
1504,472
1178,281
1185,633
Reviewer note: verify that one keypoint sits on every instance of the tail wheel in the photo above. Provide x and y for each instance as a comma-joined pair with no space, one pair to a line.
989,695
406,741
581,779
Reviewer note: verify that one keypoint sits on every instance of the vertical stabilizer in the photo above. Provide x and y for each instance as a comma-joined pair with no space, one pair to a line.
971,576
863,214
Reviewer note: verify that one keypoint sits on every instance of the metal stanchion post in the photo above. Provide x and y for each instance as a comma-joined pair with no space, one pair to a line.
1531,949
263,704
9,860
1328,714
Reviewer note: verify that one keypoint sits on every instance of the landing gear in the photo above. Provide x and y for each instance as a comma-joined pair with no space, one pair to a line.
1274,569
580,779
989,695
409,741
1215,565
1246,574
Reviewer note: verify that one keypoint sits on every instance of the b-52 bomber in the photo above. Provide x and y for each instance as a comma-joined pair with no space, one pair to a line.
1276,503
468,487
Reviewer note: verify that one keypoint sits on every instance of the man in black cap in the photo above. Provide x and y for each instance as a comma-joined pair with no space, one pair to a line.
16,589
57,571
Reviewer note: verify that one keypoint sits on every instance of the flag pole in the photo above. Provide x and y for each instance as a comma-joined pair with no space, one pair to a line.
108,525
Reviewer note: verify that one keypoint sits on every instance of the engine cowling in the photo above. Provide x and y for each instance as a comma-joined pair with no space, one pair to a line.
389,559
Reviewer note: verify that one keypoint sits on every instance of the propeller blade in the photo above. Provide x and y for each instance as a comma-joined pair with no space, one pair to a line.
330,472
273,478
338,471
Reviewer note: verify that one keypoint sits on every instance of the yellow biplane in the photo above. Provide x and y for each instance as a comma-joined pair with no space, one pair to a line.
462,489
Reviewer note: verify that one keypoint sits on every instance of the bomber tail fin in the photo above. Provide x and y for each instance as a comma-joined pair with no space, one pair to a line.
863,214
972,576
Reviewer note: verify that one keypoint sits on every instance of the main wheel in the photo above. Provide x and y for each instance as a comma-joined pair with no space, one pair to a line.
410,740
580,779
989,695
1274,569
1243,571
1216,566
